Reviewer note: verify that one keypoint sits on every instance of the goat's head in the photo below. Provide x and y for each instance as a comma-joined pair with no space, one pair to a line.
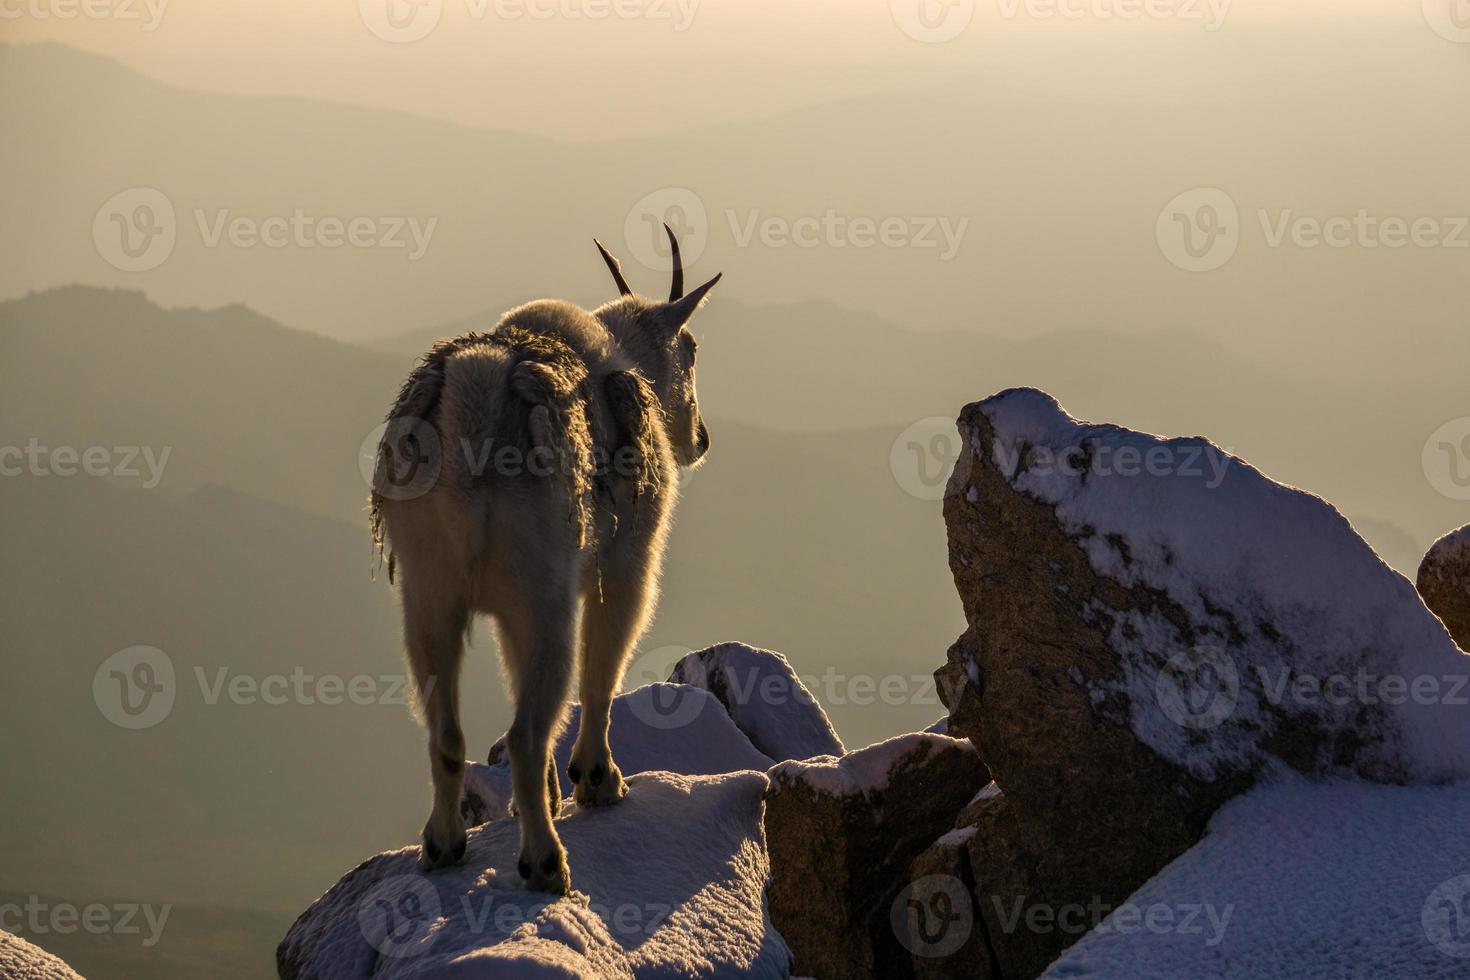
656,336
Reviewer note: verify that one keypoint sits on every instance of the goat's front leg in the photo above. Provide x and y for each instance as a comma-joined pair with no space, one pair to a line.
612,622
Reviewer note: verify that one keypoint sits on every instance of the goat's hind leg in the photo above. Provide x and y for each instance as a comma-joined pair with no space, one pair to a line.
538,642
434,634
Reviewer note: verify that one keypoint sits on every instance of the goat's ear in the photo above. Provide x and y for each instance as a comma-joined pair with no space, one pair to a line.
679,312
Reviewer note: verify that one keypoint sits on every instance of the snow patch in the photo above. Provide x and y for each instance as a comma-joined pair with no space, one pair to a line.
865,772
670,883
765,698
1301,879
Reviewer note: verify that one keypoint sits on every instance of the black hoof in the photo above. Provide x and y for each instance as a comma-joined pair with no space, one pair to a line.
524,867
550,864
596,776
574,773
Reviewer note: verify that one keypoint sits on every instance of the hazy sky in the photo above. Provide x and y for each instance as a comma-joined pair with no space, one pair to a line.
596,68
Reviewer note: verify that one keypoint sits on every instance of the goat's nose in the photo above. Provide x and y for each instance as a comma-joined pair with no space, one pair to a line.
701,444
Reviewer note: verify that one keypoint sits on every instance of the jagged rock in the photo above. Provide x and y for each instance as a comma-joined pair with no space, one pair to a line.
764,697
939,921
664,727
20,960
842,834
1147,620
1444,583
670,882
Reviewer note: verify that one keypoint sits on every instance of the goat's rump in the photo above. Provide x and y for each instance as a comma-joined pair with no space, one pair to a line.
512,403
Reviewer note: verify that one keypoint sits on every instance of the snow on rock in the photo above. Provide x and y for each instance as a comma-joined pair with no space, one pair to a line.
664,727
764,697
1271,580
842,832
1444,582
670,883
1153,624
1302,879
20,960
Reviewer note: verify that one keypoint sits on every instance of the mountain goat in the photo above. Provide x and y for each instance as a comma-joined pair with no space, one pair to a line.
530,474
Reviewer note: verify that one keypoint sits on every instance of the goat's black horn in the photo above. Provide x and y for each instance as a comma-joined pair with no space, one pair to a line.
615,268
676,291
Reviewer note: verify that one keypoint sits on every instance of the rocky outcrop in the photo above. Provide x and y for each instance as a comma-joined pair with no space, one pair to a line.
1153,624
666,727
1444,583
843,833
670,882
20,960
764,697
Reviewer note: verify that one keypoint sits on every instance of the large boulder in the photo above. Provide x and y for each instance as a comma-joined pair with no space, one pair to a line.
1444,582
764,697
1152,625
669,883
842,834
19,960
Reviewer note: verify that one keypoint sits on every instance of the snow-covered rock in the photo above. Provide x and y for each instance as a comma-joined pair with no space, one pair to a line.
670,883
764,697
842,833
20,960
1304,879
658,727
1444,582
1153,624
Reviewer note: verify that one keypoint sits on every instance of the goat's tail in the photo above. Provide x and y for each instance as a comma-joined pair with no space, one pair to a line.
561,440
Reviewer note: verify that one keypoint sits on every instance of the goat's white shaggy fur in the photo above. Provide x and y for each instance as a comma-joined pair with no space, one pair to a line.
529,474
